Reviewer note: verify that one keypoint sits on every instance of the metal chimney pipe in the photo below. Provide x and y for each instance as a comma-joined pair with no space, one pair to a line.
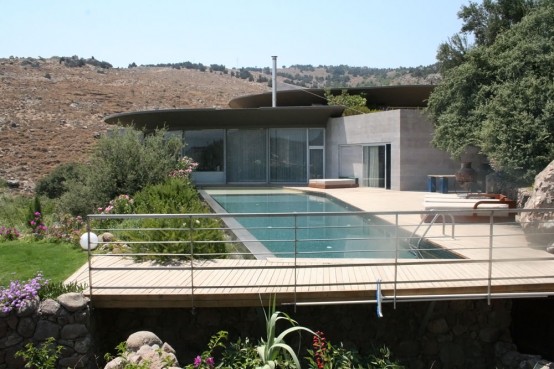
274,83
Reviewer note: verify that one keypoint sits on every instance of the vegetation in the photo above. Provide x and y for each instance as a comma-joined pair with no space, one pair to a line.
122,163
497,94
174,196
43,356
23,260
273,352
354,104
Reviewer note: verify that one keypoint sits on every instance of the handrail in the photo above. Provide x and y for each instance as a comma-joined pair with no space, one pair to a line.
498,244
429,225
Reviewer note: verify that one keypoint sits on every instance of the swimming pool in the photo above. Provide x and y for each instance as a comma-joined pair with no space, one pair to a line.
341,234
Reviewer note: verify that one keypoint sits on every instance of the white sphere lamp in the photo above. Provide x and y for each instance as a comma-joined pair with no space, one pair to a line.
84,241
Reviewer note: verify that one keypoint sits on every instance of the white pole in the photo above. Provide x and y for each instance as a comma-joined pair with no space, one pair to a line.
274,83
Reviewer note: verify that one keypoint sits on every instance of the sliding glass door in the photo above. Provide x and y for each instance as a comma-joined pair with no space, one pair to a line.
376,166
288,155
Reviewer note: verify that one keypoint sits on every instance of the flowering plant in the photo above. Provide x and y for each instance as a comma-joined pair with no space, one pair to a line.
67,229
185,166
206,360
8,233
18,293
36,224
326,356
122,204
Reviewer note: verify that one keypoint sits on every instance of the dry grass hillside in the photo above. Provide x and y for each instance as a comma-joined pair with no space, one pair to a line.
52,114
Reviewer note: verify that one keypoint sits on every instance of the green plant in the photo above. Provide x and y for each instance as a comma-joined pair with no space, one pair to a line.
54,289
54,184
326,356
43,356
206,359
273,351
383,360
174,196
240,354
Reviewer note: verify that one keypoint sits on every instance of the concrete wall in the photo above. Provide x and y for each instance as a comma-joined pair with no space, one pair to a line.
408,132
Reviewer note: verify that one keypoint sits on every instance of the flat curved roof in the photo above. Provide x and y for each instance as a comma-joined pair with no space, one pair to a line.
383,96
281,117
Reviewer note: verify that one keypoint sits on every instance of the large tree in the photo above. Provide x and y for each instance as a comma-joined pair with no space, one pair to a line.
500,97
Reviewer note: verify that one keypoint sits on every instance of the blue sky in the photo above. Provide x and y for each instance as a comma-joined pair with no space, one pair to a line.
240,33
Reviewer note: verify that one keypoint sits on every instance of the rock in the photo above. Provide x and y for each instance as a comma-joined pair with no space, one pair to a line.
13,183
11,340
107,237
83,346
438,326
46,329
49,307
73,301
141,338
73,331
75,361
26,327
539,226
117,363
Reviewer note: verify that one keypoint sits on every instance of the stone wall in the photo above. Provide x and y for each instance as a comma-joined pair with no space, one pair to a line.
454,334
67,319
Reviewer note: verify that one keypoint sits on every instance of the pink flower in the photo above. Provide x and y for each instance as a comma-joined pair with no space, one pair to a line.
197,361
210,361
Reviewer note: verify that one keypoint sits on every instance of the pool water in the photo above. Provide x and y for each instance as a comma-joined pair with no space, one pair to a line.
317,236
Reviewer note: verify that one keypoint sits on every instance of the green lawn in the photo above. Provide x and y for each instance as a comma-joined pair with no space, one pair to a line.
23,260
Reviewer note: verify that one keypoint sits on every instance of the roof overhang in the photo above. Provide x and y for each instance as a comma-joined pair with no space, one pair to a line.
403,96
279,117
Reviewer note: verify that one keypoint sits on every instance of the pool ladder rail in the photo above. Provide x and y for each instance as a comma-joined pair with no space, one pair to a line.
415,247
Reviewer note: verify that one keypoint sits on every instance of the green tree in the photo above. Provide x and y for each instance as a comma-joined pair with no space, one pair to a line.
121,163
501,98
354,104
484,22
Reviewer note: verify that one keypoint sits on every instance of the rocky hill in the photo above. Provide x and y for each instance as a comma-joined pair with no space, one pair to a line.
52,110
51,113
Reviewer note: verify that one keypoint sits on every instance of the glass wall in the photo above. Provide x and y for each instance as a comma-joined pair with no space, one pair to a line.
276,155
206,148
246,155
287,155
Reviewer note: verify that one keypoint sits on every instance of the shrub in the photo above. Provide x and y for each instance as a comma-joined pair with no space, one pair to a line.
174,196
43,356
54,184
122,163
8,233
66,228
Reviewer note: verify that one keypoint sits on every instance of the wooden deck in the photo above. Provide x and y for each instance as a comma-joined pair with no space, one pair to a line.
119,282
491,266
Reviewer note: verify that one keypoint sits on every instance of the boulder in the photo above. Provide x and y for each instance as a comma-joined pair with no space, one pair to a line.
141,338
539,225
73,301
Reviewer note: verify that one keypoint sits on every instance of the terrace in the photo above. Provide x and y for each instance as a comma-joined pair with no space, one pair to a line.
496,261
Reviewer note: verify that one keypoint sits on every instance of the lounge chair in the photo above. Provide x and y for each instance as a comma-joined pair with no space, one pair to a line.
464,206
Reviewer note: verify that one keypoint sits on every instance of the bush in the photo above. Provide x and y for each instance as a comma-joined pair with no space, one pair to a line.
54,184
174,196
122,163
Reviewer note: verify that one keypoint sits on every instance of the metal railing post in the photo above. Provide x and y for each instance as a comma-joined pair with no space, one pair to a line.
191,263
295,258
491,228
89,260
395,258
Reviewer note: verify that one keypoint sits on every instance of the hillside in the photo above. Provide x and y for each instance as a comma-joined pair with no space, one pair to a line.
51,114
52,110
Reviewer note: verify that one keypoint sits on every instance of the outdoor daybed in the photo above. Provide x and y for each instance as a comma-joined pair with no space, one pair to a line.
467,207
